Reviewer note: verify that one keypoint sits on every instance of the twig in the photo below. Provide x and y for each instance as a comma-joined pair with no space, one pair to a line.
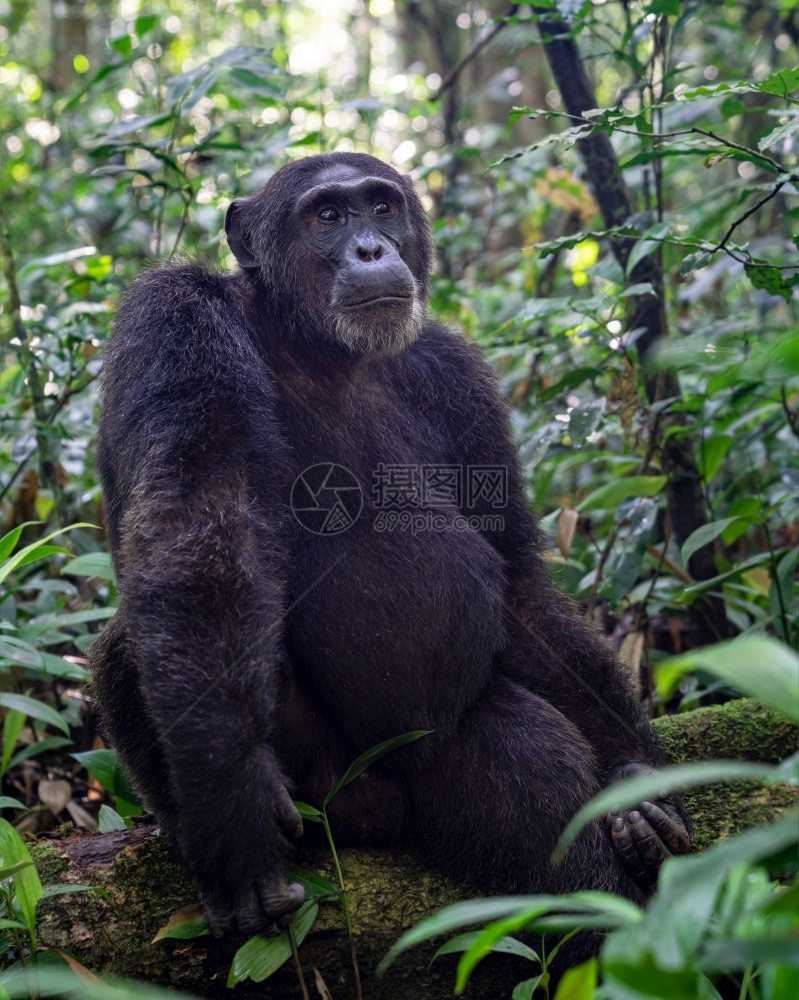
764,200
48,470
472,54
59,404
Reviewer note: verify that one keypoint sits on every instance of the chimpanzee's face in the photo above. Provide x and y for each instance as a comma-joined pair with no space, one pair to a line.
359,225
343,252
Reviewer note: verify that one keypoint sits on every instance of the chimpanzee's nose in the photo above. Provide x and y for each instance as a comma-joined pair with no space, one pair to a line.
368,249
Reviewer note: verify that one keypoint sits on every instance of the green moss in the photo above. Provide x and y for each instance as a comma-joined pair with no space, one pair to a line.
743,730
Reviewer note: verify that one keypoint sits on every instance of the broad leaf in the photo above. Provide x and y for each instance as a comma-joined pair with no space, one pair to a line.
259,957
609,496
33,709
187,922
704,536
756,664
109,820
28,888
104,767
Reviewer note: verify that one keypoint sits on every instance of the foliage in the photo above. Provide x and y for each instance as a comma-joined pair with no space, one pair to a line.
715,914
125,130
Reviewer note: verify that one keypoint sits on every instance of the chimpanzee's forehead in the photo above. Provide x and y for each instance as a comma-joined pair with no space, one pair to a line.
339,172
350,184
342,173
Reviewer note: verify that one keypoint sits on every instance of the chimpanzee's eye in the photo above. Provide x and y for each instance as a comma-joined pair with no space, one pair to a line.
381,208
329,214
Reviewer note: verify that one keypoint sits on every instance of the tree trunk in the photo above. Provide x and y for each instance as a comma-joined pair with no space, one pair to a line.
645,313
389,891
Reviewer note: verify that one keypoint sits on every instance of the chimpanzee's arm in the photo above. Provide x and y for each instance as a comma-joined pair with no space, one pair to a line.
188,454
551,648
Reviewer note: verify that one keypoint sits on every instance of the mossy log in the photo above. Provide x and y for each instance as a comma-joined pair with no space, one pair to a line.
389,891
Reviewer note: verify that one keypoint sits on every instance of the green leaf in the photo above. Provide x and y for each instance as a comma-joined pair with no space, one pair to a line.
309,812
123,45
8,542
66,888
704,536
525,990
104,767
40,746
137,124
12,870
479,911
33,709
27,886
91,564
262,86
485,940
713,454
578,983
371,755
144,24
776,135
693,261
632,791
647,244
770,279
316,886
742,567
609,496
23,555
109,819
781,83
18,651
669,8
7,802
505,946
755,664
259,957
12,727
186,923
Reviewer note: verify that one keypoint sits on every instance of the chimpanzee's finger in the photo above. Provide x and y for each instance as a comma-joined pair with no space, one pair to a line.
670,830
651,849
278,899
250,917
219,916
622,838
287,814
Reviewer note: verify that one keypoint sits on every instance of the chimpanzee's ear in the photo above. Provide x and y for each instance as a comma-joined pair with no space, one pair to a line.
235,236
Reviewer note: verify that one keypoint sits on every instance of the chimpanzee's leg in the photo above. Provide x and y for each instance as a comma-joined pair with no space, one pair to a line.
370,810
492,798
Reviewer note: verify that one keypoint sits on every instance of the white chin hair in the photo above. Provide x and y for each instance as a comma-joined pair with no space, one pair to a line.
368,335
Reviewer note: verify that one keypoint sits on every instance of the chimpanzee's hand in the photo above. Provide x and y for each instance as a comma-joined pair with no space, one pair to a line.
261,901
645,837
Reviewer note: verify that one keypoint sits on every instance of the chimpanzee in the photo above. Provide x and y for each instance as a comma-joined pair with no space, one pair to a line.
322,541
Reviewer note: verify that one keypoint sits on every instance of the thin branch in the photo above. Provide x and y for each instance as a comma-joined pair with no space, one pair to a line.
451,78
756,207
48,470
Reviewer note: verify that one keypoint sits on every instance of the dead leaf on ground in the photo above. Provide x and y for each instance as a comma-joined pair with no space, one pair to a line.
55,794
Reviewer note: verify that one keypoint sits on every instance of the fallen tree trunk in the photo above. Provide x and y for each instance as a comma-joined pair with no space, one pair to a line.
389,891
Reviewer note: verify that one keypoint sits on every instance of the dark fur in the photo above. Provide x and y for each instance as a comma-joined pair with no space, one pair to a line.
249,653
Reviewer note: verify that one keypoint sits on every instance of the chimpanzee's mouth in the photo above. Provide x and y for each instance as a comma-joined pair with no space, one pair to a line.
378,300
